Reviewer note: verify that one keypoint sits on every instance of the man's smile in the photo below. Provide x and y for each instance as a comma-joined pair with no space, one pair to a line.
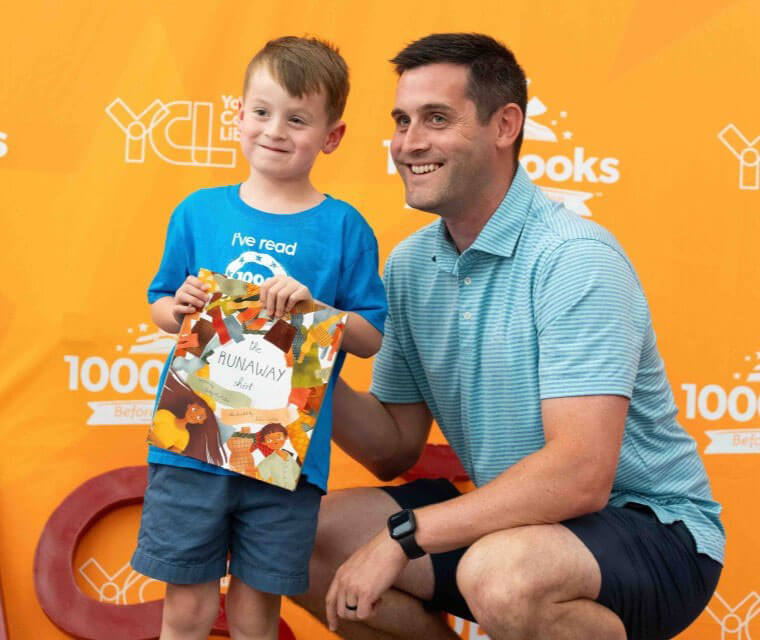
420,169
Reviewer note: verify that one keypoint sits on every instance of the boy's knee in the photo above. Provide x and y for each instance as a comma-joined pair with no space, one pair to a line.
191,607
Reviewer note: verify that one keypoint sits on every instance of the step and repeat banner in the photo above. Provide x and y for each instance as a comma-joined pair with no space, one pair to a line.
643,116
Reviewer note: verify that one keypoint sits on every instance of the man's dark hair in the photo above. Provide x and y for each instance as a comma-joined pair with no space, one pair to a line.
496,78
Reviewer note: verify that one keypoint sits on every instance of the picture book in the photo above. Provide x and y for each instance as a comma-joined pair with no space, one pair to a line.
243,390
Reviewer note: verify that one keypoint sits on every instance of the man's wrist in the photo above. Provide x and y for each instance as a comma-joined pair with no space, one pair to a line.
402,527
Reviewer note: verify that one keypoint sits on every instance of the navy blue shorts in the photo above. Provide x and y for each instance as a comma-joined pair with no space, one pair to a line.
653,578
192,519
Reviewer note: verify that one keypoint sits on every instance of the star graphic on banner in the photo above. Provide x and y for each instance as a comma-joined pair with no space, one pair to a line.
143,327
130,330
567,135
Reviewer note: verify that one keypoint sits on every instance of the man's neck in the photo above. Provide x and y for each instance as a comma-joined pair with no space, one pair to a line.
276,196
466,224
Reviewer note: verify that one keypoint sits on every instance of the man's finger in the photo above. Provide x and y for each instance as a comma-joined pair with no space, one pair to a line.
364,607
330,612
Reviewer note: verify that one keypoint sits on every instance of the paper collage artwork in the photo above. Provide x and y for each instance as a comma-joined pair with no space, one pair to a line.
244,390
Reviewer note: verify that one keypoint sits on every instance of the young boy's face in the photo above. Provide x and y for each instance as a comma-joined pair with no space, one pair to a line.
281,135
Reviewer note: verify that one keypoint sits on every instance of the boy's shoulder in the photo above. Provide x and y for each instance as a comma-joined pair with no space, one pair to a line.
202,197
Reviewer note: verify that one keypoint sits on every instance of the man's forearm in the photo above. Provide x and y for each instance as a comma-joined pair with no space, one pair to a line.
545,487
365,429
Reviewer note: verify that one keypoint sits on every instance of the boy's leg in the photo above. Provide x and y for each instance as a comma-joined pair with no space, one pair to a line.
347,520
251,614
183,542
189,610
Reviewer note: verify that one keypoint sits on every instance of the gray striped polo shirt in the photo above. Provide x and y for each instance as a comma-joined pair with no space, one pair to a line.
544,304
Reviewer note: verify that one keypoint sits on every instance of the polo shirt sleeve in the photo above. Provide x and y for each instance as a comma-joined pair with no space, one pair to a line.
591,318
392,378
360,288
174,264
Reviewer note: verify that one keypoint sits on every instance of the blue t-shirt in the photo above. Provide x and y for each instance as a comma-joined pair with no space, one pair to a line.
330,248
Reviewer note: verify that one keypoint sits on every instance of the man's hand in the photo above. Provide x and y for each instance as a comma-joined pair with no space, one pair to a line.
362,579
280,294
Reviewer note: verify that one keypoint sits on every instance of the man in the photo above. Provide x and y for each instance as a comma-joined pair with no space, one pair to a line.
523,330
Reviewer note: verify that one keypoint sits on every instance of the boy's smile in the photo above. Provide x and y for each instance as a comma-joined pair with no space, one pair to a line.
280,134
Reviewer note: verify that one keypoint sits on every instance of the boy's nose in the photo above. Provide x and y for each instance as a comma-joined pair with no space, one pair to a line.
274,129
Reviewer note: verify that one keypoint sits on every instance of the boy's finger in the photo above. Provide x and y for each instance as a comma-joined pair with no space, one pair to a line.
197,282
186,298
198,293
283,295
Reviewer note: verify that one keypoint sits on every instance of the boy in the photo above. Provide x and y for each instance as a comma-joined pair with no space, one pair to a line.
276,230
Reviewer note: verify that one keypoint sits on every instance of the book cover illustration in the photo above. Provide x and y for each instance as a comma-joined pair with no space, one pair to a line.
244,390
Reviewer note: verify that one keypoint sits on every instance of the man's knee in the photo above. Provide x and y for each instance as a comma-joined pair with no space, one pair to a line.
497,579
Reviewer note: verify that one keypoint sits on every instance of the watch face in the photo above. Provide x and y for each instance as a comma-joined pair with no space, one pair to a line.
402,524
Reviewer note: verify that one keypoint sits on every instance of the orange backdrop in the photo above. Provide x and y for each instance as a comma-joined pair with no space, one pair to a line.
643,116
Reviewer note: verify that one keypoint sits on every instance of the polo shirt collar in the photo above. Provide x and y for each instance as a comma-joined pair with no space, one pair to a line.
500,234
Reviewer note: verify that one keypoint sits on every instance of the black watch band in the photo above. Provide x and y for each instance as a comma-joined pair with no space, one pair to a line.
402,526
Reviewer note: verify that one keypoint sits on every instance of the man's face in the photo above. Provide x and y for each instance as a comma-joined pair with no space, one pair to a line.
442,152
281,135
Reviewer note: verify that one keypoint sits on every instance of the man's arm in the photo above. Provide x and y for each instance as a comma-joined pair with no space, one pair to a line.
385,438
570,476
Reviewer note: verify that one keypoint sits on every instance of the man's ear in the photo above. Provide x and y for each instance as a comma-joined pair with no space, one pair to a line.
509,123
334,136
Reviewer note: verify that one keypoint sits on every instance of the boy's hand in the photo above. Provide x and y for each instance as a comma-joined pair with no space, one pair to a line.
280,294
190,297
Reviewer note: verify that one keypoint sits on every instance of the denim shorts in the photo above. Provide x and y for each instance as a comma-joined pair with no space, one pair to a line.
192,520
653,578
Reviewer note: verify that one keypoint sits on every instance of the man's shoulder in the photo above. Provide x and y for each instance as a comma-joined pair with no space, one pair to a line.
551,225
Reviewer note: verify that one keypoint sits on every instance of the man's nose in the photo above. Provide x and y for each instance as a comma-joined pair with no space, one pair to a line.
415,139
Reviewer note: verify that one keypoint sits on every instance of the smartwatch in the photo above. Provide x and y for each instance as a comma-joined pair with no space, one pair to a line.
402,526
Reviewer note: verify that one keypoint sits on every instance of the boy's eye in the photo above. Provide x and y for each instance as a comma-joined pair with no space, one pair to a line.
260,112
297,120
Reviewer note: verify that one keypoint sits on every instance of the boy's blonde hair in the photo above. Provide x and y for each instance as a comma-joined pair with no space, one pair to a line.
304,66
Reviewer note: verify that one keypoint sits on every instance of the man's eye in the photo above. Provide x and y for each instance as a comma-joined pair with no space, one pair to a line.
437,118
402,122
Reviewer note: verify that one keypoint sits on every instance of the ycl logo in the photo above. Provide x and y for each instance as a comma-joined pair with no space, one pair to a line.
746,153
3,144
179,132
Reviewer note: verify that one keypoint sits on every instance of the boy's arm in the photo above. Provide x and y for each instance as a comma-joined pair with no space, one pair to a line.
281,293
360,337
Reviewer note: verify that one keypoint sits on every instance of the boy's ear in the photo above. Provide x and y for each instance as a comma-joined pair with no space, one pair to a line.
334,136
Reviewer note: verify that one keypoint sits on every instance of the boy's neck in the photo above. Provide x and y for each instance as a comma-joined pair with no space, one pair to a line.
274,196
